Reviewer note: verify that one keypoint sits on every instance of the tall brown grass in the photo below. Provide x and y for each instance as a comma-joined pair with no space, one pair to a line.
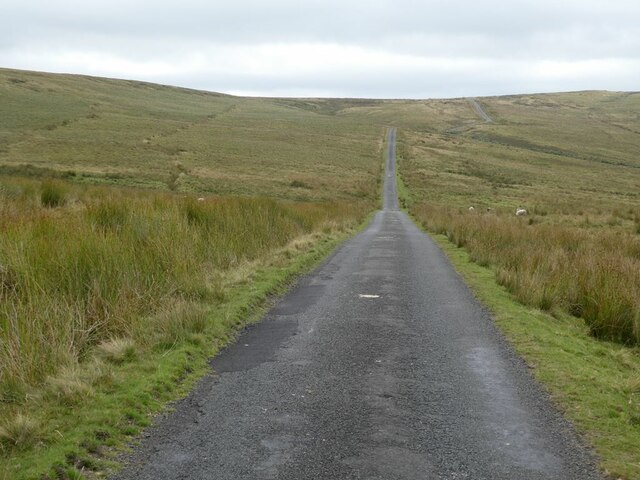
592,274
108,264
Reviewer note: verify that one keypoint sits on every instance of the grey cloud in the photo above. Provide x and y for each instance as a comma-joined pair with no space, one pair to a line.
338,21
505,33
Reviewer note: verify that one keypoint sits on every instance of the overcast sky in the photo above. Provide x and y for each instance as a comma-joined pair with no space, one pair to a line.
375,48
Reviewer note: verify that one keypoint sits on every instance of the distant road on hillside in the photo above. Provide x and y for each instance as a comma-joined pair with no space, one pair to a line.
380,364
476,106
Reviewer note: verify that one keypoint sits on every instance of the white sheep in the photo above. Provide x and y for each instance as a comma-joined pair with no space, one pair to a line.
520,212
471,209
201,199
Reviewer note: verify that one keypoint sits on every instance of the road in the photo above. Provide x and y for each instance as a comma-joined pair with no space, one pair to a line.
476,106
378,365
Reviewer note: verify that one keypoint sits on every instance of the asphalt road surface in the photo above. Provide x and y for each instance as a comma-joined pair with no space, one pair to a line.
378,365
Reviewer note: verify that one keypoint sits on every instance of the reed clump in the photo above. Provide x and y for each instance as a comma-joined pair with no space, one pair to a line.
19,432
53,194
589,273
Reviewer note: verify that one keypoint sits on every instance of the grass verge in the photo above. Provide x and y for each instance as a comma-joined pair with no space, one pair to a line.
72,438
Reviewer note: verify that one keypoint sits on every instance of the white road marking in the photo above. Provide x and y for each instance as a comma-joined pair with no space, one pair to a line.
364,295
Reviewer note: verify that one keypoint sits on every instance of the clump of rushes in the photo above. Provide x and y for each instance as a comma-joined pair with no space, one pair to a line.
108,215
53,194
19,432
591,274
117,350
68,387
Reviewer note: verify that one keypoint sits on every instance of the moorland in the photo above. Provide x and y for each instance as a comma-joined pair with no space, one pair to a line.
142,225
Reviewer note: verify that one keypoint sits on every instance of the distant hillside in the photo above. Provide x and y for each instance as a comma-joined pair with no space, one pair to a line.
139,134
134,133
